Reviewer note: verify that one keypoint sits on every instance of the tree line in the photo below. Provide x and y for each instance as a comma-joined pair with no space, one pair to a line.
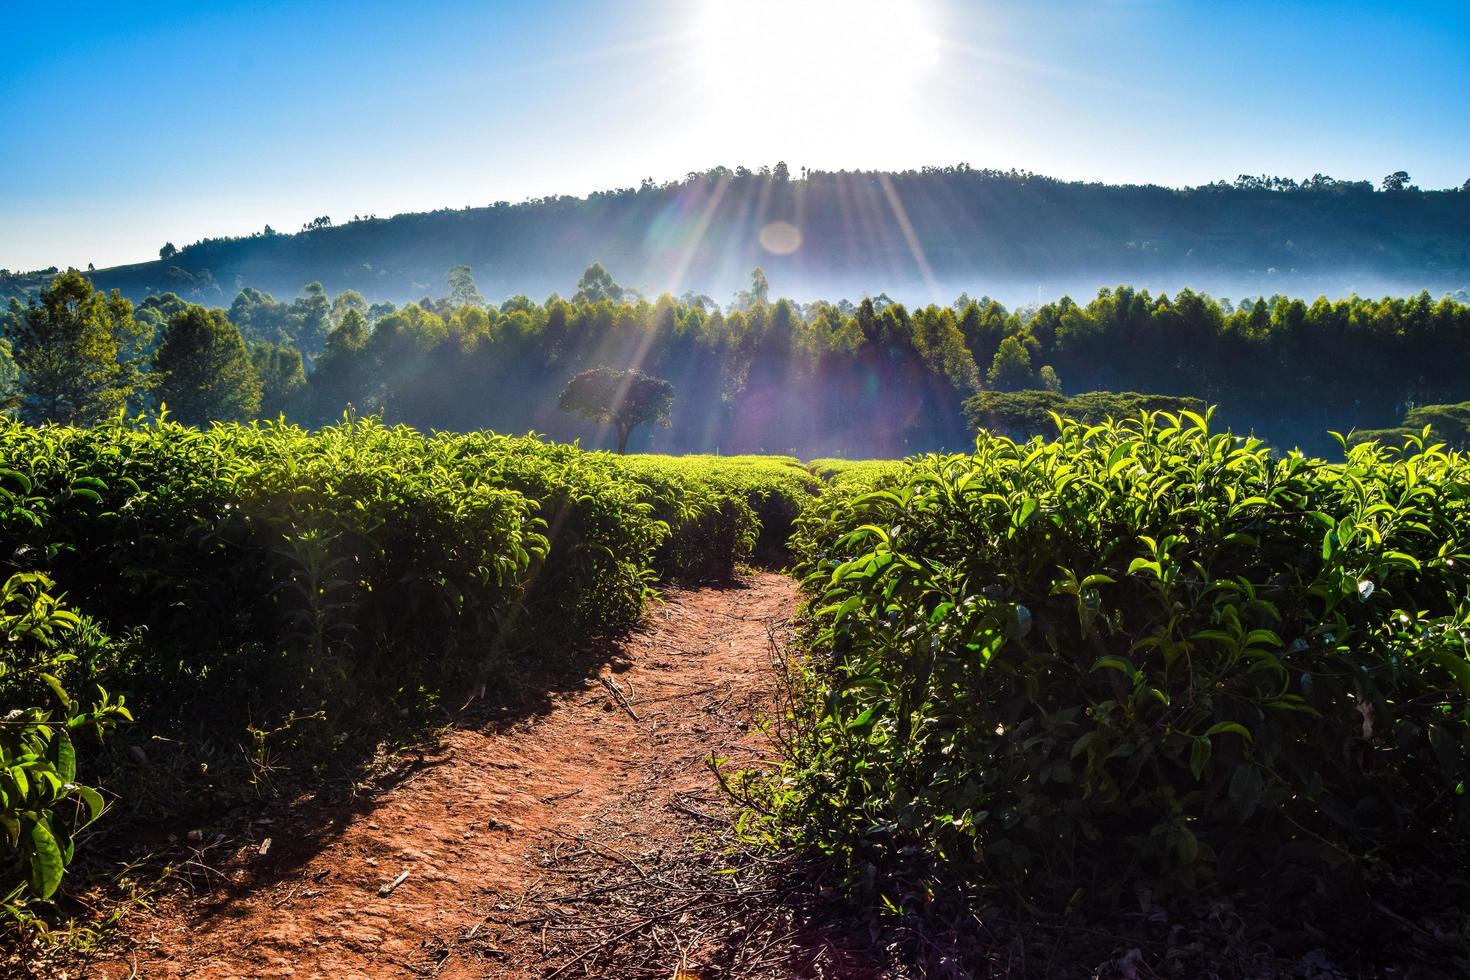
759,373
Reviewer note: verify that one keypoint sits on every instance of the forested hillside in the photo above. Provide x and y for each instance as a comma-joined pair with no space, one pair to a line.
764,374
914,234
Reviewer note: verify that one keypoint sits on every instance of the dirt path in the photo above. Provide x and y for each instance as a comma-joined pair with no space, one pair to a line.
475,828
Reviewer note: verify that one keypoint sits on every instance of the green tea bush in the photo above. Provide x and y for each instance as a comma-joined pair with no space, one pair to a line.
1448,423
327,555
777,489
600,526
1138,651
267,574
359,557
358,541
1022,414
42,805
865,471
710,531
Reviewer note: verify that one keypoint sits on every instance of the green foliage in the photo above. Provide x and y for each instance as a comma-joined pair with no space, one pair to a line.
822,378
1450,423
79,352
42,804
597,285
342,378
758,294
1388,437
879,378
302,324
1140,651
350,300
275,569
9,380
711,530
1396,181
775,489
260,318
282,379
1011,369
204,372
462,288
1021,414
270,574
866,472
239,548
621,399
310,318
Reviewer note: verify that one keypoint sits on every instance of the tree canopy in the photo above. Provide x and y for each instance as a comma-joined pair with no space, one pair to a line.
1010,370
597,284
621,399
79,352
204,372
282,377
812,379
10,397
462,288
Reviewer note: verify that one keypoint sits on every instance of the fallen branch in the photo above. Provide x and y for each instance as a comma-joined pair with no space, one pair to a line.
387,889
618,695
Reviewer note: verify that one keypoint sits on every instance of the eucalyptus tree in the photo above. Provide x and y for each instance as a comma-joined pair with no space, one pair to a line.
204,372
79,352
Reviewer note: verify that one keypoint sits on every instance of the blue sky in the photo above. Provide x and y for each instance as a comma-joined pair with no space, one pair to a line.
131,124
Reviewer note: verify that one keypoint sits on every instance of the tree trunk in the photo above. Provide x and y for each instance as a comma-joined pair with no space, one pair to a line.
623,431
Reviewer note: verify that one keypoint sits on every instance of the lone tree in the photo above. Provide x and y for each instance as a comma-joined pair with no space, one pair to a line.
623,399
462,288
758,294
1396,181
168,251
596,285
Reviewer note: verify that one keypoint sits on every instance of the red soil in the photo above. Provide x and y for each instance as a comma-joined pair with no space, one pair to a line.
471,827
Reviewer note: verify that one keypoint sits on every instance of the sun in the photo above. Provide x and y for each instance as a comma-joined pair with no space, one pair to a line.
799,64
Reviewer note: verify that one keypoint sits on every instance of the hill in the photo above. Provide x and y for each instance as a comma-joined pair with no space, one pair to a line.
919,235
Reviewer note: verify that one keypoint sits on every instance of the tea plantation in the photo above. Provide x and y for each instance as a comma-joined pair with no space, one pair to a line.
1038,675
1140,654
248,577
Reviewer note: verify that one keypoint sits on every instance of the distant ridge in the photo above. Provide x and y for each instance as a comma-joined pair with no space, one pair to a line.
914,234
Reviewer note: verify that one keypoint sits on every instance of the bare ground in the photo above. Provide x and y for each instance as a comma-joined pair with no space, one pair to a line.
581,838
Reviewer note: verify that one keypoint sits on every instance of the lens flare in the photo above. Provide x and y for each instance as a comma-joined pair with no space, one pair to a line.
780,238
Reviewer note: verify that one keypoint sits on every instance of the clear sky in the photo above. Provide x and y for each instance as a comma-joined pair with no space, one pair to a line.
127,125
